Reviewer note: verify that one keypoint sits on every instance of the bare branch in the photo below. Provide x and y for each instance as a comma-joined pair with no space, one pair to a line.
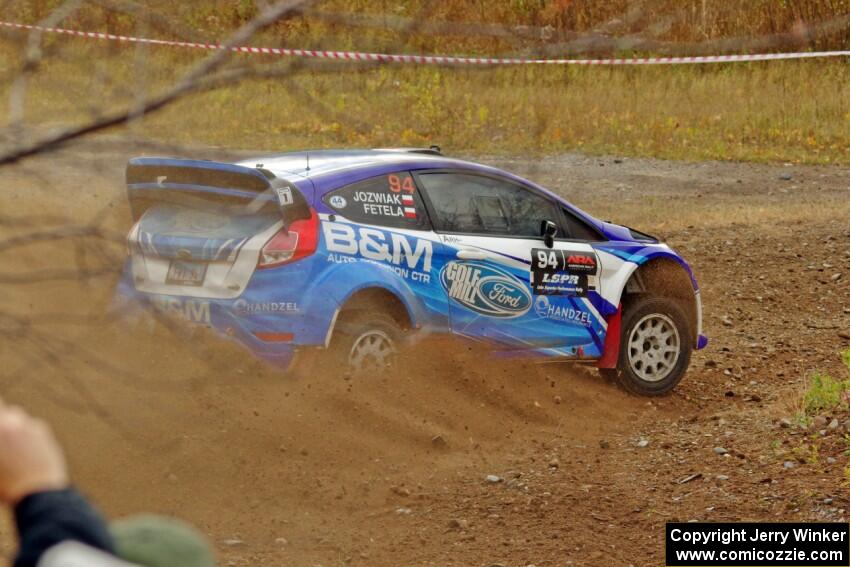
32,58
51,235
600,40
186,85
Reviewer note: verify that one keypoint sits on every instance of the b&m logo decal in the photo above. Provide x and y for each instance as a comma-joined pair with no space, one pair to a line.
485,290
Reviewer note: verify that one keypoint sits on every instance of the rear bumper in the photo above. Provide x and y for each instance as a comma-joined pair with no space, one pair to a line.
271,330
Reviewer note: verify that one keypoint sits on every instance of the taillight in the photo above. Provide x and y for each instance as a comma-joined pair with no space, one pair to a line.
286,246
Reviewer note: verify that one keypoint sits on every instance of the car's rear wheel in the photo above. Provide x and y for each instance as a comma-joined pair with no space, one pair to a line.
365,343
655,346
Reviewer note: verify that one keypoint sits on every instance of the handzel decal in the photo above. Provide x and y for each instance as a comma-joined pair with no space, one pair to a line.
244,306
485,289
544,308
409,257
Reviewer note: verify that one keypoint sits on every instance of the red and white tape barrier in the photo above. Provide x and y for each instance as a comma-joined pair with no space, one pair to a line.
431,59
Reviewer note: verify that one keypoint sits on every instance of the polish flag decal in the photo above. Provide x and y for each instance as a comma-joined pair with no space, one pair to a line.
407,200
410,212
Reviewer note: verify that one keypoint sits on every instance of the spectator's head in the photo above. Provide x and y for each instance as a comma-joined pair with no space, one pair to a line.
153,541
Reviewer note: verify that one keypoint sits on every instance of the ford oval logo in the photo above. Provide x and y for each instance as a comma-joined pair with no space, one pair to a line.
485,289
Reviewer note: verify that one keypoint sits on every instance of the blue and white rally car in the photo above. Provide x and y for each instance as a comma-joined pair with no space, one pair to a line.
353,253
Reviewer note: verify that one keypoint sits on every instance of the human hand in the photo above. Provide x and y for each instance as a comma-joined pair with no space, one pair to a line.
31,459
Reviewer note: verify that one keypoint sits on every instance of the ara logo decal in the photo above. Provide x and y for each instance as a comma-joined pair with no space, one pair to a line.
485,290
582,263
585,259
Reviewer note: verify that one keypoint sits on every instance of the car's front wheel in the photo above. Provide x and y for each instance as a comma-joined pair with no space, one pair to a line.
655,346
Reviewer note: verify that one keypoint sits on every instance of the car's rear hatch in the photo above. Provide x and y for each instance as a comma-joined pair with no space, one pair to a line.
200,225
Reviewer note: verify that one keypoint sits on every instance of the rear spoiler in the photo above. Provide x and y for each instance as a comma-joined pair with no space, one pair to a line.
173,173
209,179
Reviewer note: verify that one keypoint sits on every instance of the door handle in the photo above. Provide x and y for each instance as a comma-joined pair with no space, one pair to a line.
471,254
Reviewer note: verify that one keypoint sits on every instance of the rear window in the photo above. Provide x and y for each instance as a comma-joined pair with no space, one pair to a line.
214,200
387,200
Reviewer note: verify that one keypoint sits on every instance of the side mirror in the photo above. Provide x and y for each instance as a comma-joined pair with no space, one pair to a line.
548,230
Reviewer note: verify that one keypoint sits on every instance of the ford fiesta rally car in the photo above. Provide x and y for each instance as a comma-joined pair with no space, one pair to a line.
351,253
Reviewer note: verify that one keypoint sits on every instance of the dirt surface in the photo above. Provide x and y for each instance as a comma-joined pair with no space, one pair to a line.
392,471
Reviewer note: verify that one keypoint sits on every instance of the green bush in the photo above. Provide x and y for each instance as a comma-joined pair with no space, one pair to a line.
826,393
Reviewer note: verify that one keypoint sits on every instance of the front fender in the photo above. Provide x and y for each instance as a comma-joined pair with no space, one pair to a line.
621,260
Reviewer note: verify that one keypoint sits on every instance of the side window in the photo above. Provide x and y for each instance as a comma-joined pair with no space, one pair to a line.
477,204
387,200
577,229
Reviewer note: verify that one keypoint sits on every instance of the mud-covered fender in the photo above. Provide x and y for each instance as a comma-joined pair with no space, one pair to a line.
620,261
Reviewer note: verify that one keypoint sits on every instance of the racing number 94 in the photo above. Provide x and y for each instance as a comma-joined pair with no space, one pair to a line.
403,184
548,259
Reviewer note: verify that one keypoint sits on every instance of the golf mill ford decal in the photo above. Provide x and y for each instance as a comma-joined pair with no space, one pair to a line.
485,289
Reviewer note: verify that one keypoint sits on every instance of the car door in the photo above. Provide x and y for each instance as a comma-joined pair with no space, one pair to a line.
381,236
503,283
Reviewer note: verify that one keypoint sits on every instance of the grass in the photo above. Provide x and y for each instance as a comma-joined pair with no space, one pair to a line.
796,111
532,22
826,393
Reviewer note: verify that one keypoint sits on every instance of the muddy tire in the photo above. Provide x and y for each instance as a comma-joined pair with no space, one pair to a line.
365,343
655,347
